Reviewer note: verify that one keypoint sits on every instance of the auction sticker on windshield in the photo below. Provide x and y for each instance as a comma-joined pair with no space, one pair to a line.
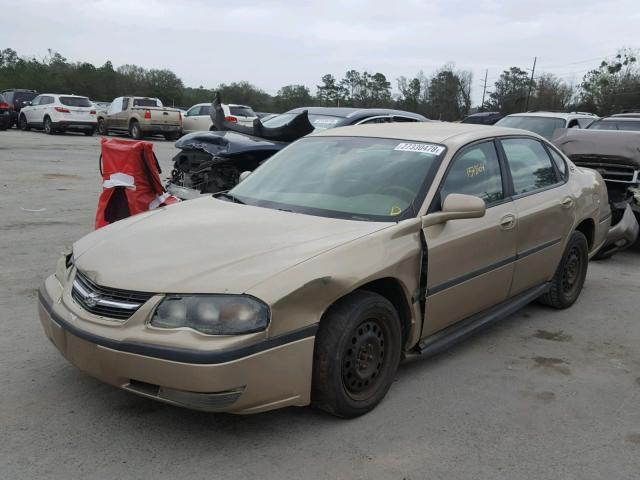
420,147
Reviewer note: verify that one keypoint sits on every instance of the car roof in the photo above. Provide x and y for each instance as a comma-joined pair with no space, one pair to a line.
564,115
483,114
451,134
623,116
349,112
63,95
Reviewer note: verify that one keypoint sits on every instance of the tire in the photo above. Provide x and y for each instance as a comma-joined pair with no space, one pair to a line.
134,130
23,124
48,126
102,127
568,280
171,136
356,354
90,132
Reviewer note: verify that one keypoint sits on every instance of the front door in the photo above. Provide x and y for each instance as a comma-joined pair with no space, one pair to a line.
470,261
545,207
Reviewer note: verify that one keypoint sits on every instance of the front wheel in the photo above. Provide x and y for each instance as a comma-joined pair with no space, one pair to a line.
23,124
568,280
356,355
102,127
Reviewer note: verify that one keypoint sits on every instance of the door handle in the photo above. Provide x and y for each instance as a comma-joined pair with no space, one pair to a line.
567,202
508,221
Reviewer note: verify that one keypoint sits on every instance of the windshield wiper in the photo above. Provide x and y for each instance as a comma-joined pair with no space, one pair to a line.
231,197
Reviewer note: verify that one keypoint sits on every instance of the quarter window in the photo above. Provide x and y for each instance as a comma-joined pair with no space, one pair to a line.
475,171
531,167
560,163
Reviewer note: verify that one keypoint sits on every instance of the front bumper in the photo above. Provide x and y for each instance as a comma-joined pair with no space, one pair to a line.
270,374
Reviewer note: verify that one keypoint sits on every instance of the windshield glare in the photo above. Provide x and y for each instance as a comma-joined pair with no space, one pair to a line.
629,125
345,177
319,122
544,126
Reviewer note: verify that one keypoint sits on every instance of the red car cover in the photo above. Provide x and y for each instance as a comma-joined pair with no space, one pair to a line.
131,181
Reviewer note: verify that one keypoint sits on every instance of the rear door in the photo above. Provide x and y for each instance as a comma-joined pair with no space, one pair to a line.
470,261
545,207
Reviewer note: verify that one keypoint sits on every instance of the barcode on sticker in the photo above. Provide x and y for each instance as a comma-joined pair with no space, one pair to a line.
420,147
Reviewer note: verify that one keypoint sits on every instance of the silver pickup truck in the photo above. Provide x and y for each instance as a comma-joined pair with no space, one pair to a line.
139,117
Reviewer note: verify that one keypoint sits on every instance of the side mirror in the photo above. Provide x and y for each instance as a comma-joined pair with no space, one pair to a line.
244,175
456,206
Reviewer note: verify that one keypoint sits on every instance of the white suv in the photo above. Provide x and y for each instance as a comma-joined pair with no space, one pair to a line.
198,117
545,123
58,113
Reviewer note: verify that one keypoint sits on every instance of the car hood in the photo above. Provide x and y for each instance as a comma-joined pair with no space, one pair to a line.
208,246
227,144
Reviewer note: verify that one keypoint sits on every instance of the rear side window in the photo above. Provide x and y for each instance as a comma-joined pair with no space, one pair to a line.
46,100
530,165
399,119
75,101
475,171
242,112
205,110
125,103
146,102
560,163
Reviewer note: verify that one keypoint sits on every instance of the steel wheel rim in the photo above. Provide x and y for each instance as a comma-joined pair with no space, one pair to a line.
572,271
365,358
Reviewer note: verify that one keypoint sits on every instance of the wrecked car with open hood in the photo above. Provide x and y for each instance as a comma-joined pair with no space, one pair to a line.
213,161
616,156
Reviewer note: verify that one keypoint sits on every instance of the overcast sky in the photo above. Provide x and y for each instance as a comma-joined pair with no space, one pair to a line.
275,43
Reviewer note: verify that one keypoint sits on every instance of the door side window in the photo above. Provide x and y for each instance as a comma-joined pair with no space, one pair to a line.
370,121
531,167
194,111
475,171
401,119
36,101
115,107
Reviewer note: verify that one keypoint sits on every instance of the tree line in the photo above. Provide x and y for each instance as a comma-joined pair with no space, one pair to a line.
446,94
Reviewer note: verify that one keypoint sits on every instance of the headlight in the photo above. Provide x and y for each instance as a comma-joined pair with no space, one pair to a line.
212,314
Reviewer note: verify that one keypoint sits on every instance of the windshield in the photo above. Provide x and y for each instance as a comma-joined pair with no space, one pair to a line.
146,102
629,125
544,126
240,111
76,102
319,122
346,177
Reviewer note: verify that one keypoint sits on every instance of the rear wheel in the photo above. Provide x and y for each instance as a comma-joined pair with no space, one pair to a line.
48,126
568,280
356,355
171,136
23,124
90,132
134,130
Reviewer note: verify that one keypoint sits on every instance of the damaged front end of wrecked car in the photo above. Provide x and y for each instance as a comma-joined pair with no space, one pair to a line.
211,162
616,156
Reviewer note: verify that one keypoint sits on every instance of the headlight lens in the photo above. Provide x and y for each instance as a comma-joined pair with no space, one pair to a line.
212,314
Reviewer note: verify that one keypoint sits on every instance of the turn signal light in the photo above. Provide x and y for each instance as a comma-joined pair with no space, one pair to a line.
147,114
231,118
62,110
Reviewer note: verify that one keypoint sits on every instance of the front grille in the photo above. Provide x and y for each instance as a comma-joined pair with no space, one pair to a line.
612,172
106,301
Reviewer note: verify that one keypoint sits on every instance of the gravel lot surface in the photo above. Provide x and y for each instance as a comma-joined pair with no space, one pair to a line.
543,395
